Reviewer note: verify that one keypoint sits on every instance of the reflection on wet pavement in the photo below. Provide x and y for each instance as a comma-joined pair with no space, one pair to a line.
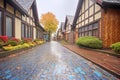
51,61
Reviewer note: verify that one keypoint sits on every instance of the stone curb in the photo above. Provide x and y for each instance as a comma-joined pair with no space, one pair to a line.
103,51
8,53
103,67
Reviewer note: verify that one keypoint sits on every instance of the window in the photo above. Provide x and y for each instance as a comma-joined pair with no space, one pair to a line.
23,31
95,25
95,29
89,33
83,29
89,30
82,33
31,32
86,28
95,32
90,27
36,33
26,31
0,23
9,24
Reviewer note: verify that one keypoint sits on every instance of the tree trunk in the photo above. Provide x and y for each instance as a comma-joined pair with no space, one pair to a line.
49,35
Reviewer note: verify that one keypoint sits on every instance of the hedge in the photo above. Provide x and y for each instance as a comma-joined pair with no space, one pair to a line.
116,47
90,42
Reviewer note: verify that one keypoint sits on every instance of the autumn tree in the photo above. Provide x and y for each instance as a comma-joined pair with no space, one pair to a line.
49,21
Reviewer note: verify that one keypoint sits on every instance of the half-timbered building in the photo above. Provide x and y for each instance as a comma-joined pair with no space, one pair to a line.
67,27
100,18
19,19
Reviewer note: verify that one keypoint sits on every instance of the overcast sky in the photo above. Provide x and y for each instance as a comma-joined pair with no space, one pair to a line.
60,8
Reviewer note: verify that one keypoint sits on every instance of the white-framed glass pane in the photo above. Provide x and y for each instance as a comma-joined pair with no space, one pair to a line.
95,32
23,30
9,26
0,23
90,33
26,31
90,27
95,25
29,31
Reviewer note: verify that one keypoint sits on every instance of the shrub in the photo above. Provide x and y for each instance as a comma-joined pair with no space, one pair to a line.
4,38
12,43
0,46
90,42
36,40
116,47
8,48
31,44
15,39
26,40
18,47
1,43
25,45
21,42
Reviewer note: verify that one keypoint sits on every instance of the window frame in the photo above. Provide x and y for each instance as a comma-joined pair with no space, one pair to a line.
89,30
1,28
23,27
13,23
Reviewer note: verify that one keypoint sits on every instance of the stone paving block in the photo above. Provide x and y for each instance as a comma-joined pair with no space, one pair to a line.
51,61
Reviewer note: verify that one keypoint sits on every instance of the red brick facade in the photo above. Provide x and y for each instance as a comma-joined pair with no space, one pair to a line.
110,26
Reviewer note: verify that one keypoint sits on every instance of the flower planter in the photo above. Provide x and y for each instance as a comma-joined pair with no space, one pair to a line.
7,53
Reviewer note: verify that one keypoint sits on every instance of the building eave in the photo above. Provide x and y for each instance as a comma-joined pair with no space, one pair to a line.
108,4
35,11
17,6
77,14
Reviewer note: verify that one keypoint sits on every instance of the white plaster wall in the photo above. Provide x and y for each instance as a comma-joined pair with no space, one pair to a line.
17,28
34,33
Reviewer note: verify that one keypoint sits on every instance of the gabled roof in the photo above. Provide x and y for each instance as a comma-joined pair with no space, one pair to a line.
79,6
112,1
102,3
41,27
35,11
26,4
70,19
17,6
62,26
109,3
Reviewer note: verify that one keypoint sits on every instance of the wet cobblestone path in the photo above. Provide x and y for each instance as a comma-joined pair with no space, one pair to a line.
51,61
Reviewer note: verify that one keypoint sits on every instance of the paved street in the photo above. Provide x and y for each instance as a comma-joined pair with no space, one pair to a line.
51,61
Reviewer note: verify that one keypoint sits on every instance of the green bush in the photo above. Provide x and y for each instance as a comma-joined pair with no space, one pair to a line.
0,46
21,42
12,43
36,40
116,47
90,42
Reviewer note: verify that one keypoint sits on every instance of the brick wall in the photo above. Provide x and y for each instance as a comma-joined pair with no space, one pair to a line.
110,26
